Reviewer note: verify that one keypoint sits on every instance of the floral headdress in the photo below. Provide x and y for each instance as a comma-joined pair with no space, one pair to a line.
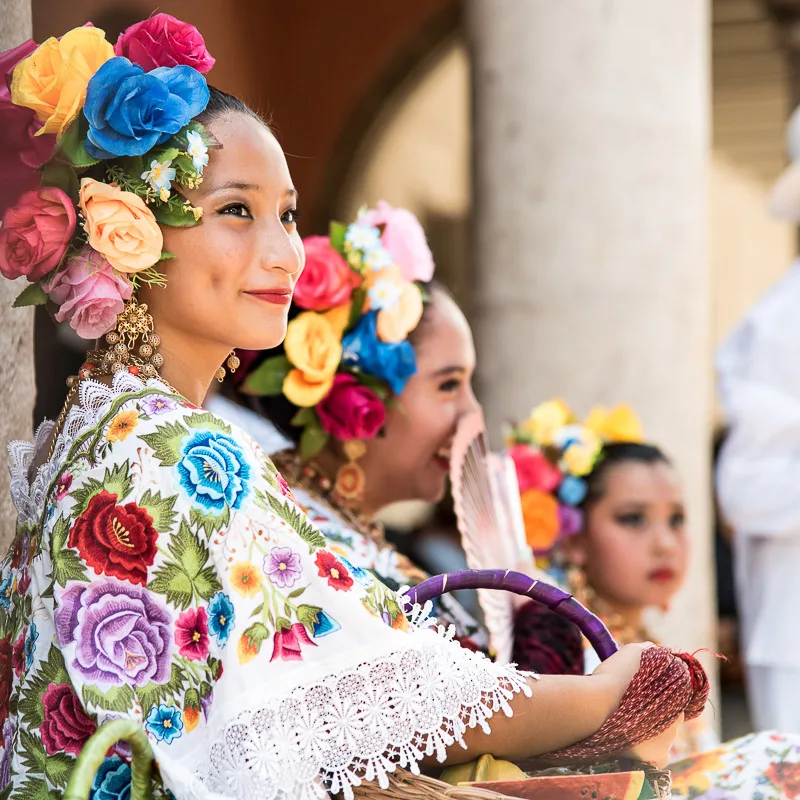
553,453
347,353
123,114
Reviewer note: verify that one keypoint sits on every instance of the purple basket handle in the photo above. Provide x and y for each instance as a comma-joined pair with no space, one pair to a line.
555,599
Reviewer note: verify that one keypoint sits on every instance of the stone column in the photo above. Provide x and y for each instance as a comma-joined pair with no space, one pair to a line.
16,325
592,277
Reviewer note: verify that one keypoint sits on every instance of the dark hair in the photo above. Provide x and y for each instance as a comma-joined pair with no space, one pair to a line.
280,411
221,103
616,453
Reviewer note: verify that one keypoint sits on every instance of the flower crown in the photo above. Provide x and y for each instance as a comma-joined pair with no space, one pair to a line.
347,353
553,453
125,112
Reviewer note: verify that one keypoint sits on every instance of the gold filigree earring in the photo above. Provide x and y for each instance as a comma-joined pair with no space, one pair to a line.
232,363
350,478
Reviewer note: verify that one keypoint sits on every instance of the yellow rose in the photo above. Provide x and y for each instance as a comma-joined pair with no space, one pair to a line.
315,350
53,79
339,317
546,419
579,458
120,226
619,424
394,324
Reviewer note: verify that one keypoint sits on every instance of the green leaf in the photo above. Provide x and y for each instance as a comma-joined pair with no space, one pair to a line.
188,550
293,517
205,687
216,669
50,671
72,145
58,768
165,256
63,177
33,789
282,624
154,693
118,481
191,699
381,388
209,523
359,298
305,416
208,421
170,154
167,442
171,581
117,698
206,584
83,496
267,379
296,593
31,295
33,752
67,566
258,632
173,215
336,233
312,440
161,509
309,616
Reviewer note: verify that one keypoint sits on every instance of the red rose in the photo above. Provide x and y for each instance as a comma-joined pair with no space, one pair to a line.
163,41
785,776
35,233
330,567
351,410
327,280
18,653
115,540
534,471
6,678
66,725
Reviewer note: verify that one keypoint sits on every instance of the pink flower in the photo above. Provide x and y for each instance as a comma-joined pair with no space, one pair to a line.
21,152
191,634
534,471
89,293
327,280
570,520
405,240
35,233
351,410
286,645
63,486
163,41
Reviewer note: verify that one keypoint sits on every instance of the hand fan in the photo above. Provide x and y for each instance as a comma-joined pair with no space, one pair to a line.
489,515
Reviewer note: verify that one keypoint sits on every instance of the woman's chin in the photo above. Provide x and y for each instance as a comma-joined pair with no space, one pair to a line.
264,336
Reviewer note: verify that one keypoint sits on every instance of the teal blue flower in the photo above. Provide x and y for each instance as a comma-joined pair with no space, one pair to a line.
221,617
112,780
6,590
325,624
30,645
165,723
572,490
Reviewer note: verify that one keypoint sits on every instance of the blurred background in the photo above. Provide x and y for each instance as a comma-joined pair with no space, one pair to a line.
592,175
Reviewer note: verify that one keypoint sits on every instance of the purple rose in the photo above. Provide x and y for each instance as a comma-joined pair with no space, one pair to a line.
121,633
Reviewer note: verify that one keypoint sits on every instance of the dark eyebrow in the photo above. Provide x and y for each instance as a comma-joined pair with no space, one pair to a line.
440,373
253,187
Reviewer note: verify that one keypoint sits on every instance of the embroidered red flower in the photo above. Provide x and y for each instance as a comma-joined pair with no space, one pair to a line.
6,678
191,634
115,540
286,644
330,567
66,725
785,776
18,653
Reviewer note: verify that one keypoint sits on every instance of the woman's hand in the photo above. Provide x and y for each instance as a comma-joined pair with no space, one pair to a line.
618,671
656,751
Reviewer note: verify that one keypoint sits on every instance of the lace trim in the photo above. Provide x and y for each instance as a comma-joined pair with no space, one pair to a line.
354,726
29,493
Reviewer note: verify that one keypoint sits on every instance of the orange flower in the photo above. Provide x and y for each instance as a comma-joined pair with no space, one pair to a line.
247,650
315,350
696,773
53,79
399,621
121,426
540,515
191,716
120,226
246,579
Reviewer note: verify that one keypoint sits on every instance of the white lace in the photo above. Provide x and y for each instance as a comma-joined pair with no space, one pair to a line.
357,725
28,493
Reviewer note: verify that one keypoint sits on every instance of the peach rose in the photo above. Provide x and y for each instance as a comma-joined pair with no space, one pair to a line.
120,226
394,324
315,351
53,79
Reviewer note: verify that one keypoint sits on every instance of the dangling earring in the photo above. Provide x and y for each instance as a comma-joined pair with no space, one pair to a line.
133,324
350,478
232,363
579,587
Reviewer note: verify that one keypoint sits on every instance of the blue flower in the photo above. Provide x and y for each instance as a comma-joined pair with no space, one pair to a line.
361,575
393,363
325,624
6,590
112,781
221,617
30,645
213,471
572,490
130,111
164,722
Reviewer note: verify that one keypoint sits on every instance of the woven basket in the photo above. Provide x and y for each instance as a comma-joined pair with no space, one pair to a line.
403,785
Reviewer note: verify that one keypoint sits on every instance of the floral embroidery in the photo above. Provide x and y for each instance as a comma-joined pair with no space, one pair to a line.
164,723
332,569
158,404
112,781
6,590
287,643
191,634
66,725
30,645
246,579
62,487
283,567
221,617
6,677
122,426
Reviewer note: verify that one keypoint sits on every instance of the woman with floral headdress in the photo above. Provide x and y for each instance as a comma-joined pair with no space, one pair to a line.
605,514
161,571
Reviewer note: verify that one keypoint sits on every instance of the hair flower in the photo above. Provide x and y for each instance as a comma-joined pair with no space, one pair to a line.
160,176
197,151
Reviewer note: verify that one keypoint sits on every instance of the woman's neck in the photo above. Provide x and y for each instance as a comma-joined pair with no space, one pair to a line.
188,366
626,623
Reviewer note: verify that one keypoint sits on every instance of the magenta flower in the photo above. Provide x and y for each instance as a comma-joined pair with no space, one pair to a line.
283,567
191,634
286,645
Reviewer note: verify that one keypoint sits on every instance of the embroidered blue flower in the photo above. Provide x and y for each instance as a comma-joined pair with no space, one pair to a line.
30,645
213,472
131,111
572,490
393,363
221,617
364,577
165,723
325,624
112,781
6,590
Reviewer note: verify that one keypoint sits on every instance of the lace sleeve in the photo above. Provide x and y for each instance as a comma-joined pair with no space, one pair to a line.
194,595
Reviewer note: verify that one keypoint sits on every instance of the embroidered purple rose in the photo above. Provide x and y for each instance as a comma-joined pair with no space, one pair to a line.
283,567
121,633
158,404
